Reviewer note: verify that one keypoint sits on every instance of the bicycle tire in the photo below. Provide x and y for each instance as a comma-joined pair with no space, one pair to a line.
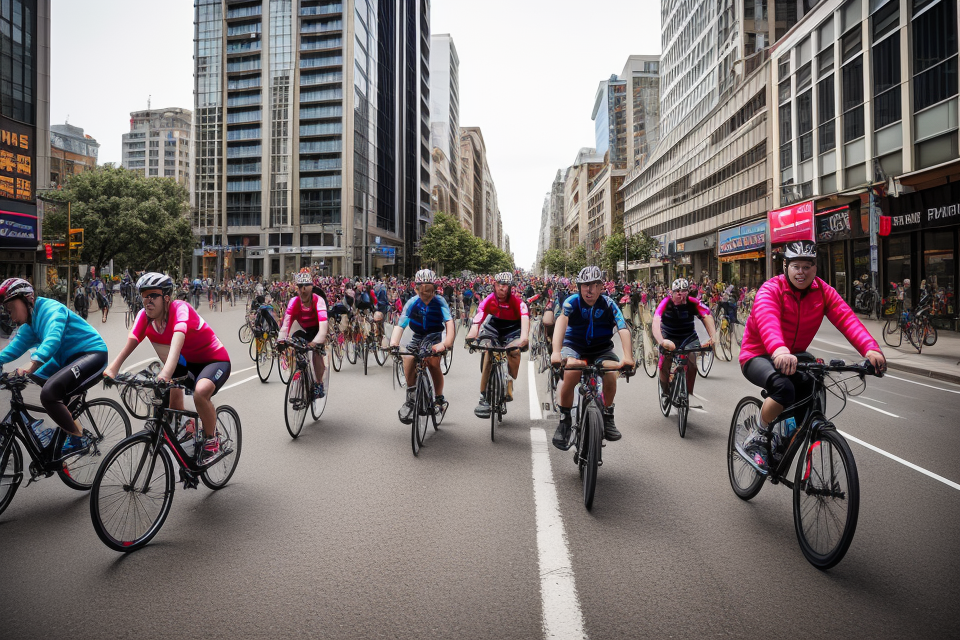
337,352
666,405
380,354
594,428
266,354
317,405
217,475
115,504
11,468
284,368
126,319
738,333
399,375
649,357
447,361
295,403
914,336
253,349
421,415
246,333
931,336
109,423
493,399
350,349
138,402
705,362
683,402
813,478
725,340
744,479
365,354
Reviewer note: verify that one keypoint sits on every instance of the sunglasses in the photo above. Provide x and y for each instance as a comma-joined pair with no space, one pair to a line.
152,296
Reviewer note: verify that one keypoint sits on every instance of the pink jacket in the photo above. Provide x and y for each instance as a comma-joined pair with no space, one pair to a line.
782,318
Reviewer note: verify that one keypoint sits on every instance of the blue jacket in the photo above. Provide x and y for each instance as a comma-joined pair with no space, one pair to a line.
58,334
590,329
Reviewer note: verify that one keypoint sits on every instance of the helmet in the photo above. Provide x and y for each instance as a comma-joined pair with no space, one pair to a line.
588,275
16,288
425,276
304,278
801,250
504,278
154,280
680,284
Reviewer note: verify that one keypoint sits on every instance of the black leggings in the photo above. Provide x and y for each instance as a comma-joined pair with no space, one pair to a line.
785,390
79,374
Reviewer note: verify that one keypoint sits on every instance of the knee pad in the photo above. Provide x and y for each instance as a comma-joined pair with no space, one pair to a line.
781,389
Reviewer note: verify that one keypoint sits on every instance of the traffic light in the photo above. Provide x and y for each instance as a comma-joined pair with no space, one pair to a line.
76,243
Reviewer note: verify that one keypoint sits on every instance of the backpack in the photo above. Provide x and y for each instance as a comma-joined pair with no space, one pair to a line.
365,298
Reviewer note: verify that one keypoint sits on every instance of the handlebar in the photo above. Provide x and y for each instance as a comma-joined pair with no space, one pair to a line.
473,345
863,368
13,382
598,368
145,382
299,344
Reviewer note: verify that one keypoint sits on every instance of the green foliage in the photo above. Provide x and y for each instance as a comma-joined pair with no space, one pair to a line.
555,260
450,249
140,223
577,259
640,246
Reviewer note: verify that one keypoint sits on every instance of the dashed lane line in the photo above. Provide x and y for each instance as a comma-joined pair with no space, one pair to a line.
868,406
887,375
931,474
535,413
231,386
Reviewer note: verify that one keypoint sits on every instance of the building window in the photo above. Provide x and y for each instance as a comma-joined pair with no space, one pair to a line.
851,87
786,130
805,125
934,52
826,113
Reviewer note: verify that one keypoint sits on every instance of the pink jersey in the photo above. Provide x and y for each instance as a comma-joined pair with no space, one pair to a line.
307,316
781,317
511,310
201,343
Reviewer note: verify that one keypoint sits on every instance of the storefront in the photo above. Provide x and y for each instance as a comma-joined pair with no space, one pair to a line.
697,258
843,246
741,250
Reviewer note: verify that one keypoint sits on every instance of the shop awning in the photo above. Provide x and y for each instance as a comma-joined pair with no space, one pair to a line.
748,255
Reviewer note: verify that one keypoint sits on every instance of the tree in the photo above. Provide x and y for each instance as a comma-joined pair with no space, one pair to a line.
577,259
555,260
450,248
138,222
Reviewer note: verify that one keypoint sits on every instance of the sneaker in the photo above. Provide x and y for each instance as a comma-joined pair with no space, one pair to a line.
318,391
76,445
483,407
406,411
211,447
561,437
440,405
755,445
509,397
609,426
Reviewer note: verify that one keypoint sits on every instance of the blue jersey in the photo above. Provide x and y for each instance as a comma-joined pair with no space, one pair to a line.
58,334
425,318
590,329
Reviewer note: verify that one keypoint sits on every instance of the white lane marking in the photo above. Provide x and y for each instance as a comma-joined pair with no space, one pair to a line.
535,413
133,366
700,397
231,386
864,404
949,483
836,344
887,375
562,617
836,353
242,370
872,400
699,409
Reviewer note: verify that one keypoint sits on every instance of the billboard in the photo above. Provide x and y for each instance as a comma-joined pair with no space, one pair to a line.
792,223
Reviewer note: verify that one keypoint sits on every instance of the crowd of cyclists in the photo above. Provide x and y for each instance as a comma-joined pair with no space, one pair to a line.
580,318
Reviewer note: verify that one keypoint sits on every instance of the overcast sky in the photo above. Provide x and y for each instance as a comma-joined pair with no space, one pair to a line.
529,71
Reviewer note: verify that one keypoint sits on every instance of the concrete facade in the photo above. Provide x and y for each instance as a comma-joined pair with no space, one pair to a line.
159,144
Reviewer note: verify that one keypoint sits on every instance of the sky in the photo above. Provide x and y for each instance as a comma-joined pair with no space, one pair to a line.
529,71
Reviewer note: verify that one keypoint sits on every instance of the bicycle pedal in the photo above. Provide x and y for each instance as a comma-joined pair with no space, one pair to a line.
189,480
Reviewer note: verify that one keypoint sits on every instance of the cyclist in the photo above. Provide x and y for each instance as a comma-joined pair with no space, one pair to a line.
786,315
673,325
308,310
467,299
428,316
584,331
187,346
70,355
504,318
100,291
265,320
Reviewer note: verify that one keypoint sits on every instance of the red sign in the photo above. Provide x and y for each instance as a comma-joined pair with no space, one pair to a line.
885,225
792,223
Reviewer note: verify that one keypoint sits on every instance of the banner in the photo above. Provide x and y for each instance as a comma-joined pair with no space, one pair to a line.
746,237
18,230
791,224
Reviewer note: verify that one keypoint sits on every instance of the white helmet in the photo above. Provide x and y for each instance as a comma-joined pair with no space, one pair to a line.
589,274
504,278
425,276
680,284
304,278
801,250
154,280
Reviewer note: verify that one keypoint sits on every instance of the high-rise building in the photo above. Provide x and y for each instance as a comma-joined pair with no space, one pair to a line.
641,73
71,152
610,121
24,134
579,178
158,144
478,191
445,125
311,135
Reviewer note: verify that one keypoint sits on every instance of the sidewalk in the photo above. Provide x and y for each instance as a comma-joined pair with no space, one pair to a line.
941,361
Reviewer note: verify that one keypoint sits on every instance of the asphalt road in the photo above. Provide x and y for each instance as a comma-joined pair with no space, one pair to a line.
344,533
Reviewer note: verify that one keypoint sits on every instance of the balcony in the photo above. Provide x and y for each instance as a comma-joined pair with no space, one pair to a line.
244,12
322,10
243,216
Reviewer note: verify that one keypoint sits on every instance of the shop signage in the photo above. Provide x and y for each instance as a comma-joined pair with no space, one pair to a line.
833,224
746,237
18,230
16,161
697,244
929,208
792,223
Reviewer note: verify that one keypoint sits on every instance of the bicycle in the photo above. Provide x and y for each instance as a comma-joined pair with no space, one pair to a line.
497,382
265,345
299,392
425,407
678,395
725,338
139,402
133,489
134,304
902,325
588,432
643,351
337,340
826,487
101,419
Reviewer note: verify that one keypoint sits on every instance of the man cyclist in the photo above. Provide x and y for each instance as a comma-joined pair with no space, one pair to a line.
70,355
100,291
673,326
504,318
584,331
186,345
309,310
786,315
428,316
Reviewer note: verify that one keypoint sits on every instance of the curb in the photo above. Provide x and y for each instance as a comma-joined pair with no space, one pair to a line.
926,373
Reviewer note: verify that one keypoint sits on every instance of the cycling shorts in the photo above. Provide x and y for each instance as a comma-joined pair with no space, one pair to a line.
307,334
785,390
420,340
504,335
215,372
590,357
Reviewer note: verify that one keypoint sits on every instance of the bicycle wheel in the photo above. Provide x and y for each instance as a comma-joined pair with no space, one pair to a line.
682,401
319,404
398,374
705,362
265,357
550,389
109,424
11,470
651,357
930,338
336,349
725,347
139,402
365,355
351,351
126,318
253,349
892,335
132,494
219,473
446,361
494,397
914,335
295,403
591,457
826,500
738,333
422,410
744,479
380,353
246,333
284,366
666,404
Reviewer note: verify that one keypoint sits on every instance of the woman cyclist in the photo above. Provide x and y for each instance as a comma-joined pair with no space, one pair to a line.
187,346
673,326
786,315
308,310
69,358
